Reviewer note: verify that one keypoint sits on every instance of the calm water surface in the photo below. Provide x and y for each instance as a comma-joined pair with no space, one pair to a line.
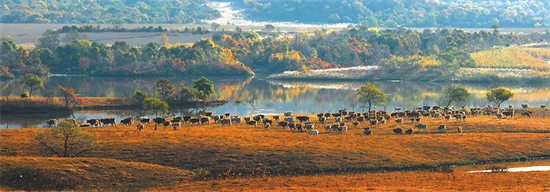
257,95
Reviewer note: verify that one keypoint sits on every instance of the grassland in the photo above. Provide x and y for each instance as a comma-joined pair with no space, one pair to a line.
243,153
457,180
42,173
514,58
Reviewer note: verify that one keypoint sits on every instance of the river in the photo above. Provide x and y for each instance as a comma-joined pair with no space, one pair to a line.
259,95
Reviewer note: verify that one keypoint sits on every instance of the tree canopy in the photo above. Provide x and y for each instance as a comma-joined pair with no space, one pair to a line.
33,82
155,105
204,87
370,95
499,95
106,11
455,94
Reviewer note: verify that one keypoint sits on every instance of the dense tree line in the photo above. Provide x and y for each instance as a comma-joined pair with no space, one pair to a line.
404,52
105,11
404,13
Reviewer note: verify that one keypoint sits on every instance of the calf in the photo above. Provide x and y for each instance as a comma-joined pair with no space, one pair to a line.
526,114
409,131
314,132
139,127
367,131
283,124
205,120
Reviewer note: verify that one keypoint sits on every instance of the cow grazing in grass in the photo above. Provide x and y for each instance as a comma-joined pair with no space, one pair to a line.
252,123
398,131
139,127
205,120
93,122
127,121
421,127
314,132
367,131
226,122
176,125
108,121
282,124
303,119
399,121
442,128
409,131
526,114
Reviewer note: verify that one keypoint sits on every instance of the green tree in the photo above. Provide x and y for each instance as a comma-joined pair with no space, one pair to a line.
204,87
66,140
140,96
165,89
371,95
33,82
187,93
499,95
155,105
455,94
49,39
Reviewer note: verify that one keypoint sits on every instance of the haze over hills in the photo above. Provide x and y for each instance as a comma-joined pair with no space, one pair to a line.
373,13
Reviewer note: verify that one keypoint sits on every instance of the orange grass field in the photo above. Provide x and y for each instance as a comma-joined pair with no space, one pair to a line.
212,151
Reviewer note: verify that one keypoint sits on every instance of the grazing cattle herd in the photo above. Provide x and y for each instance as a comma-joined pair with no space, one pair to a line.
305,123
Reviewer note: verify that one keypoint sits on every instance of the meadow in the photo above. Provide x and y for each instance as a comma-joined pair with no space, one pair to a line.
244,153
514,58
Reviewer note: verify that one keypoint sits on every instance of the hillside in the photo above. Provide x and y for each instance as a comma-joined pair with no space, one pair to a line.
106,11
404,13
457,180
514,57
42,173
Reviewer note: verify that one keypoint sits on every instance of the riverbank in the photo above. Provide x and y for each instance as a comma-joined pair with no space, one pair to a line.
56,105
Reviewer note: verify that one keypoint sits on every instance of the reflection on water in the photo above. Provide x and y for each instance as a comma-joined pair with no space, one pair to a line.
258,95
518,169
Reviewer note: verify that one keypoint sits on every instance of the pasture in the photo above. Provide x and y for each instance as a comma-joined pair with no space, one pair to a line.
241,153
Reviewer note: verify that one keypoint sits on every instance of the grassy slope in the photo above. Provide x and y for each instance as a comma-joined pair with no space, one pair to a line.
514,57
40,173
458,180
242,151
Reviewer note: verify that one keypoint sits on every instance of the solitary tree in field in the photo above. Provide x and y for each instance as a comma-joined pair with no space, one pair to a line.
155,105
499,95
371,95
66,140
455,94
33,82
204,87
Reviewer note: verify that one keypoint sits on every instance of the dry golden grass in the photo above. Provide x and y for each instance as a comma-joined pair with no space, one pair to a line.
514,57
458,180
40,173
241,151
58,102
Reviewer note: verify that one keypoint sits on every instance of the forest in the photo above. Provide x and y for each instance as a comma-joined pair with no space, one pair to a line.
105,11
411,54
404,13
372,13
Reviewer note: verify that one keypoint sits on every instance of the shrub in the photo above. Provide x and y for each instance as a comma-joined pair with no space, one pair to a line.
66,140
24,94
